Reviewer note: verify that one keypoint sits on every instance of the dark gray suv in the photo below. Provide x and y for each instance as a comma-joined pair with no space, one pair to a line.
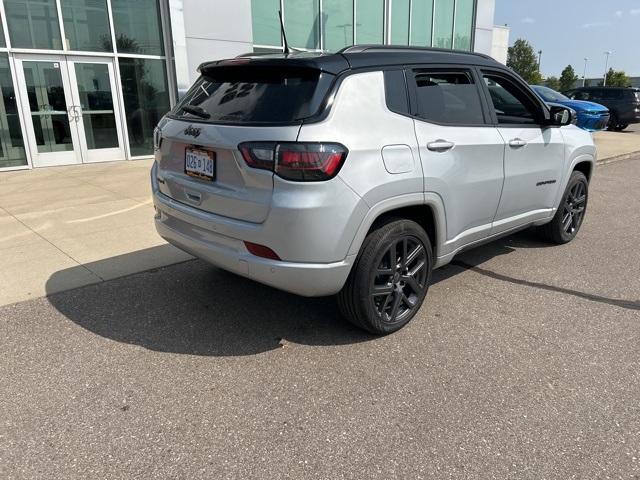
623,103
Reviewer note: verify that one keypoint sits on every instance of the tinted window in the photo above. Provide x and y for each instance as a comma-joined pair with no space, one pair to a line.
511,104
396,91
612,94
256,95
448,97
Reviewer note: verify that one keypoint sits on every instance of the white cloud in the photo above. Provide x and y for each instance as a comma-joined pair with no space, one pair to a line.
619,13
528,20
635,11
595,25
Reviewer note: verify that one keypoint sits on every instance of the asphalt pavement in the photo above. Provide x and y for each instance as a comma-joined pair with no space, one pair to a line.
524,363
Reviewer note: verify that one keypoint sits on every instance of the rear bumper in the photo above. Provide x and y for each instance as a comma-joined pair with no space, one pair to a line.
194,231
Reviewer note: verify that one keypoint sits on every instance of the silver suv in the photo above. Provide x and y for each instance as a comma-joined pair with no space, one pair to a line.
359,172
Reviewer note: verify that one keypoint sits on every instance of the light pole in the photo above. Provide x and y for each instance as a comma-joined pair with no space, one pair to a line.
539,61
606,67
584,72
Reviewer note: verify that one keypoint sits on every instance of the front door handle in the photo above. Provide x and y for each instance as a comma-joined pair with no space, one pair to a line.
517,143
440,146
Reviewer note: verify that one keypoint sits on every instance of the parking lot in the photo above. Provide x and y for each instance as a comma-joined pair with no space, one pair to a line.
523,363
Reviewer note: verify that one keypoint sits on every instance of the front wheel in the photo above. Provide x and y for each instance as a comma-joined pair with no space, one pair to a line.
390,278
570,214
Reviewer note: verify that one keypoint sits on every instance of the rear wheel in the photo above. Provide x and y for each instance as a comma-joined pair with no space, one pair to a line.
390,278
570,214
621,127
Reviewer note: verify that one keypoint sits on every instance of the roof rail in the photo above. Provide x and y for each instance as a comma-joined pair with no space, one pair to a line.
399,48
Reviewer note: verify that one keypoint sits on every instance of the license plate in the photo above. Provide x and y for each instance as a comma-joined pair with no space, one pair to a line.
200,164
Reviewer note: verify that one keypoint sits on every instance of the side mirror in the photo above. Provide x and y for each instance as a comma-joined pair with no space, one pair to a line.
561,115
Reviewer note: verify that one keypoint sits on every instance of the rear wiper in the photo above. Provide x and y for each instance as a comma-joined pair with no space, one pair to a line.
197,111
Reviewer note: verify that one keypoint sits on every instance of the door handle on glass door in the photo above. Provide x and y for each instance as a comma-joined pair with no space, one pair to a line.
517,143
440,145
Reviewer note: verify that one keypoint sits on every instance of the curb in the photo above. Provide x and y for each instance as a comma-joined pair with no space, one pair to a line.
617,158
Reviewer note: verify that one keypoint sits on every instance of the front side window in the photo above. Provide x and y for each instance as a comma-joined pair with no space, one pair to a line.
448,97
511,104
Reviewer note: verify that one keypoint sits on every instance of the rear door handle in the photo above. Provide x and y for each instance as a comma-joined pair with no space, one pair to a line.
517,143
440,146
194,197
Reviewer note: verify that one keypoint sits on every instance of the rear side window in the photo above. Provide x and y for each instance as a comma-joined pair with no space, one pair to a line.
395,91
447,97
265,95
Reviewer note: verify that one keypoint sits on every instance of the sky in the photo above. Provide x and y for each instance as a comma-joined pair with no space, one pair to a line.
567,31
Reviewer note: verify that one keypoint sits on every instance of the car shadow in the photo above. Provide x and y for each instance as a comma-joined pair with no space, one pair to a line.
197,309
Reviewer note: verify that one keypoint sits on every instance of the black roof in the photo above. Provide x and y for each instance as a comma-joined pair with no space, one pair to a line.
357,56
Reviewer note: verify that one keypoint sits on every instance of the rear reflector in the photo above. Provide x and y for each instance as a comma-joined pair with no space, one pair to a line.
261,251
298,161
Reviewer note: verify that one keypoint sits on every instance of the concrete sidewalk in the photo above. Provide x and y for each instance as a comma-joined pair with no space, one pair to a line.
92,216
57,218
618,144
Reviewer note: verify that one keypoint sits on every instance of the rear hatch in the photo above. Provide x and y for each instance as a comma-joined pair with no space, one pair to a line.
199,163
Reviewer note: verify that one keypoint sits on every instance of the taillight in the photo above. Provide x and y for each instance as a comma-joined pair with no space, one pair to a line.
298,161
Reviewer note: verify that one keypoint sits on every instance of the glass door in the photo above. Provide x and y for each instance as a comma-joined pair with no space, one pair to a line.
44,83
95,109
73,110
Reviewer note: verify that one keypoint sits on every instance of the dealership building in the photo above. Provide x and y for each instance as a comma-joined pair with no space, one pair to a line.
87,80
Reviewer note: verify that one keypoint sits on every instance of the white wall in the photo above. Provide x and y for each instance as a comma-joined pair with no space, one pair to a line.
484,26
205,30
500,44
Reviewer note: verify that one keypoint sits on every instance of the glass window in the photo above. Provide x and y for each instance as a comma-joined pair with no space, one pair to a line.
137,26
301,21
255,94
463,24
400,22
443,25
3,44
511,104
33,24
395,91
12,153
338,24
146,100
86,25
448,97
369,21
266,25
421,22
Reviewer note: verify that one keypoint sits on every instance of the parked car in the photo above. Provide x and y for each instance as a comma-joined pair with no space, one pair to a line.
359,172
623,103
591,116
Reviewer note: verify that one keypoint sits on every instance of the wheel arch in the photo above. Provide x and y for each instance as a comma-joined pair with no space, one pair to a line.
427,210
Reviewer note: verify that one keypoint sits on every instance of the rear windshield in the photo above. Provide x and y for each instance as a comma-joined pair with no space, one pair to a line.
266,95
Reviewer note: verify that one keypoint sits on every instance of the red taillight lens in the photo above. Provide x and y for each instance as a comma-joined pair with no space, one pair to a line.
261,251
298,161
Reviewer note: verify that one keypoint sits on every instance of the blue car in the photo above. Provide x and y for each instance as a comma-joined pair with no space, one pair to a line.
591,116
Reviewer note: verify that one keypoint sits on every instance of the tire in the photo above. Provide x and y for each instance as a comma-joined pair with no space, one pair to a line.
620,127
613,122
571,212
395,260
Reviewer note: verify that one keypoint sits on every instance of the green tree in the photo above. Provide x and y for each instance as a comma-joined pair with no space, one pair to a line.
568,78
553,83
617,78
521,58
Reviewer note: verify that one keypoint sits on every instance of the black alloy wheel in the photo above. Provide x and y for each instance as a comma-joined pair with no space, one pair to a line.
571,212
390,277
399,280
